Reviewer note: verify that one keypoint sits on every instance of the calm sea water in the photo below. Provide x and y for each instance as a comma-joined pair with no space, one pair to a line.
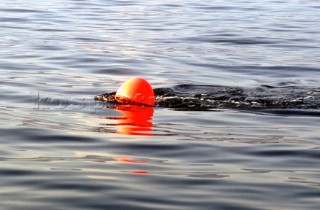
60,149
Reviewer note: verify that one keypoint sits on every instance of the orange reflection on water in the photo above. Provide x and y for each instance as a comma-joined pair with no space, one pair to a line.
139,172
131,160
136,120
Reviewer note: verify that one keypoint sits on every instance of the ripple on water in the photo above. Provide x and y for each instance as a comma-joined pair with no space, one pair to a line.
63,150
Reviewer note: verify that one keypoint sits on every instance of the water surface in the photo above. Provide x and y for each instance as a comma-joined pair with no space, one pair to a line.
61,149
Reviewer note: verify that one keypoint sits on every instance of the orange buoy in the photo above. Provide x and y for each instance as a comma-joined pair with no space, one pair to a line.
135,91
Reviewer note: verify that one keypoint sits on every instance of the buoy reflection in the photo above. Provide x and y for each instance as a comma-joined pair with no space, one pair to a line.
124,159
136,120
131,160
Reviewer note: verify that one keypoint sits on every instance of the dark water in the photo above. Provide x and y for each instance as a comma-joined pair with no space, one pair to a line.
209,97
61,149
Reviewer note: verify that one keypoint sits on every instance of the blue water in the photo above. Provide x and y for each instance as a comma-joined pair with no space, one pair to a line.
60,149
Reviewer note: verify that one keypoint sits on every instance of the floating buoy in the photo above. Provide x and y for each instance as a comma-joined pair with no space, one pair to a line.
135,91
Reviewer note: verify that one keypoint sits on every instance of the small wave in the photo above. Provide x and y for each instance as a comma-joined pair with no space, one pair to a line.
206,97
